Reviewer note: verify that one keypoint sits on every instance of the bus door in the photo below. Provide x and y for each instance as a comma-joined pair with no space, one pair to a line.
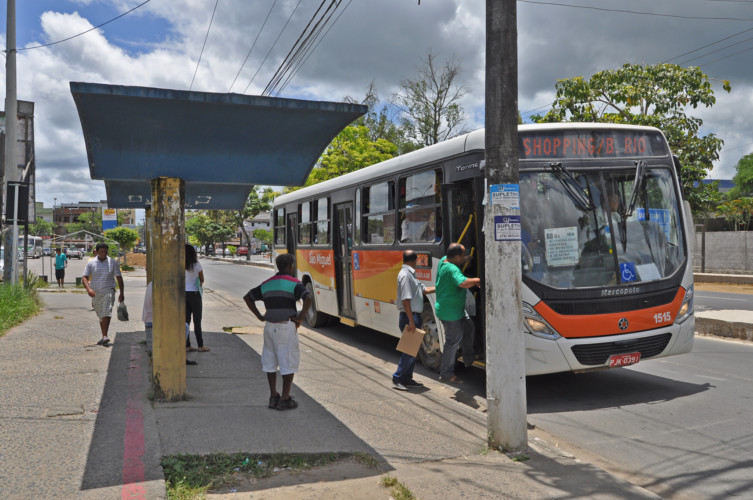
463,216
343,246
291,236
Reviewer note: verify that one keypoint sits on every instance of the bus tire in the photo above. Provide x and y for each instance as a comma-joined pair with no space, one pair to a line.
430,352
314,317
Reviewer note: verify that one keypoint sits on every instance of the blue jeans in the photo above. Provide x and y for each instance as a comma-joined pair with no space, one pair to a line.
407,362
455,332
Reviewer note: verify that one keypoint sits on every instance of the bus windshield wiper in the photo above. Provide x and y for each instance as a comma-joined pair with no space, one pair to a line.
576,192
640,176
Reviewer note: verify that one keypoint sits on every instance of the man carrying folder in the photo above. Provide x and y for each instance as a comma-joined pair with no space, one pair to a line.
410,303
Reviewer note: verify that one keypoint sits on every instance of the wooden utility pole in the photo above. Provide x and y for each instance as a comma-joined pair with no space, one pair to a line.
168,254
505,348
11,132
148,229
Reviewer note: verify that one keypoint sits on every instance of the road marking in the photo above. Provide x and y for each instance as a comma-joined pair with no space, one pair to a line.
133,440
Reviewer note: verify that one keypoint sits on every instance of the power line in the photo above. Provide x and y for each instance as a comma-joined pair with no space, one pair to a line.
85,32
686,61
622,11
204,45
308,54
273,46
708,45
252,45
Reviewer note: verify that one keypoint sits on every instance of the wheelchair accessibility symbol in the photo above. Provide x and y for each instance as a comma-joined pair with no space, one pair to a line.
628,272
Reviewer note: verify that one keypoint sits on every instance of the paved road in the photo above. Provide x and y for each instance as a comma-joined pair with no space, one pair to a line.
677,426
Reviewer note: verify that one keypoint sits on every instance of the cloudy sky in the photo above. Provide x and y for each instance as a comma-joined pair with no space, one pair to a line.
380,41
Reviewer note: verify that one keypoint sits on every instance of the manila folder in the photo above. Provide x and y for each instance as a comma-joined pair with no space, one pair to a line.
410,341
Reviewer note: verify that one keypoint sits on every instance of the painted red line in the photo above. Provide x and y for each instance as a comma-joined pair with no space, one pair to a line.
133,440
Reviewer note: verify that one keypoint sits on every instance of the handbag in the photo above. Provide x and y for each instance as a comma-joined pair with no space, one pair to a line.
122,312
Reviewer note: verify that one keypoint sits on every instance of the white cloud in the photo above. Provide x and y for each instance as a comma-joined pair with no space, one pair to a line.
381,42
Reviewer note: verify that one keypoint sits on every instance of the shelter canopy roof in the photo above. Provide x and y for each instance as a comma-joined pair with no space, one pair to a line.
215,142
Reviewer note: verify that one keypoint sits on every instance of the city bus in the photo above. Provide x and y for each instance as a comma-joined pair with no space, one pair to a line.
606,237
34,246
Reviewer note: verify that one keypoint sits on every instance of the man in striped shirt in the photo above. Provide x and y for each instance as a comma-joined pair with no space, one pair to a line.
99,280
281,321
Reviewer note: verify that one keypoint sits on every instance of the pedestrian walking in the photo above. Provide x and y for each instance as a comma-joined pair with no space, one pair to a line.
61,262
194,286
410,304
451,289
281,321
100,275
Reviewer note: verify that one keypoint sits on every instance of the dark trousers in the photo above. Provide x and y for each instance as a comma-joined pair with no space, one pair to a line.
407,362
193,307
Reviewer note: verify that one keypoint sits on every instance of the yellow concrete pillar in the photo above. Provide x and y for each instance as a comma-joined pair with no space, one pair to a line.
168,288
148,228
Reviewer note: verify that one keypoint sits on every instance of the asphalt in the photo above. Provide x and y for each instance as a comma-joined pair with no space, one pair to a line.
78,421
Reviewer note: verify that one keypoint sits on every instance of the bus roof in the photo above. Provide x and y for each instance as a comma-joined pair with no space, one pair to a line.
466,143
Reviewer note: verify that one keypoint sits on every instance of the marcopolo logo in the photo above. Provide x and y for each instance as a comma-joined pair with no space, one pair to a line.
614,292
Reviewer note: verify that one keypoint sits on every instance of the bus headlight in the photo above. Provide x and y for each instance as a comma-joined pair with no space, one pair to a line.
686,309
536,325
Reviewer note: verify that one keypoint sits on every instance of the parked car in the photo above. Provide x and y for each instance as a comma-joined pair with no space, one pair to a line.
139,250
75,253
2,260
46,251
242,251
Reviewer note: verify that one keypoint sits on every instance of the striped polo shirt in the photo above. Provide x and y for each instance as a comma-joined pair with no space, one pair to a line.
279,293
102,273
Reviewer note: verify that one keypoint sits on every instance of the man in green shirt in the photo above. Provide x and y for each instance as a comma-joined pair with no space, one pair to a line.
451,289
61,262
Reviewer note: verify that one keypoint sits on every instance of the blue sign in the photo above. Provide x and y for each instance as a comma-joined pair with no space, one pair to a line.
507,195
356,263
628,272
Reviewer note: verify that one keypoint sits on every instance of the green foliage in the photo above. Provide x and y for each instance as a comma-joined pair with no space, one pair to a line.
41,228
263,235
656,95
17,303
232,249
737,212
125,237
351,150
90,221
743,178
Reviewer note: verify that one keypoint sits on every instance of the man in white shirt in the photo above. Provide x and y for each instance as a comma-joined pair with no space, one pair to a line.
410,304
99,279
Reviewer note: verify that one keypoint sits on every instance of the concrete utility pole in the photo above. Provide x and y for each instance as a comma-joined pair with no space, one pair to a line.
11,133
168,254
505,349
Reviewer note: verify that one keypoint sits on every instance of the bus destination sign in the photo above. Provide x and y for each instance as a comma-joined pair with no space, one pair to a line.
581,144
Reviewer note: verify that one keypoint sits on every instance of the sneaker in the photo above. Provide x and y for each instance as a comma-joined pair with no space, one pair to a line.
412,384
190,362
103,341
274,401
287,404
399,386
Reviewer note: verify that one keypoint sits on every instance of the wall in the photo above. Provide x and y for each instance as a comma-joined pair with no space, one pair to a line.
726,251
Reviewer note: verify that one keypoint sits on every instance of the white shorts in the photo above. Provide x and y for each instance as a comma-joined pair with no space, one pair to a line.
280,348
103,302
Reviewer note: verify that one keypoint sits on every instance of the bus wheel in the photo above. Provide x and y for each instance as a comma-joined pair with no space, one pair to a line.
314,318
430,352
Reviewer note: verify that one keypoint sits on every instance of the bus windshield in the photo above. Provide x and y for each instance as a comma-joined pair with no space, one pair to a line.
567,243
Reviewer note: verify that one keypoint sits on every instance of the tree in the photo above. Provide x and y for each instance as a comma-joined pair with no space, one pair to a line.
258,200
743,178
380,124
656,95
737,212
91,222
41,228
125,237
430,103
263,235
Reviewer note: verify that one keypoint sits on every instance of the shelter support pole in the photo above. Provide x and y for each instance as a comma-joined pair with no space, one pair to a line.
505,344
168,288
148,228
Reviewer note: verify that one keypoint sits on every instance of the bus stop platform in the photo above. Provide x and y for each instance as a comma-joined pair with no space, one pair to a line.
77,420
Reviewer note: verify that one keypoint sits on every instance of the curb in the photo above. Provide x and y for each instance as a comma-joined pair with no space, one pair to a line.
722,328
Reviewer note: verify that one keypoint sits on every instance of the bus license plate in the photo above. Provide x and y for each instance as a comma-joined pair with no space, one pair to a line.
624,359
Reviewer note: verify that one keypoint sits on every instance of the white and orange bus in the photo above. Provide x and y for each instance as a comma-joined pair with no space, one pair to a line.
605,242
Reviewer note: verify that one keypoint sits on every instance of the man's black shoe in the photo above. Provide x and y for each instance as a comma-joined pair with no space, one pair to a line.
189,362
412,384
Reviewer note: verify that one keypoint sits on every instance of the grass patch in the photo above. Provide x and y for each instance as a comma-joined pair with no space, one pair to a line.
192,476
398,490
17,303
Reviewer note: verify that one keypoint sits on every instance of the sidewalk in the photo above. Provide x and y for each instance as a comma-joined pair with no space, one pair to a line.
76,420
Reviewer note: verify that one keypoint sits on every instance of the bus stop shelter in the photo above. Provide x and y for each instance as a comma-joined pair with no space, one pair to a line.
168,150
